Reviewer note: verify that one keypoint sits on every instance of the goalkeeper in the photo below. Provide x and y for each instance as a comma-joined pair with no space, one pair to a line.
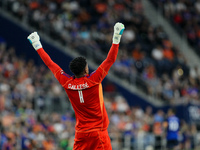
85,93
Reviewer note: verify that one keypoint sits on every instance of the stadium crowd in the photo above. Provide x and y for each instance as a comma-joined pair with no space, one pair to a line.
28,122
147,57
184,15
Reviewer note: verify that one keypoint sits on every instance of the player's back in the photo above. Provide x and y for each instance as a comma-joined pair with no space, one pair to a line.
85,93
86,97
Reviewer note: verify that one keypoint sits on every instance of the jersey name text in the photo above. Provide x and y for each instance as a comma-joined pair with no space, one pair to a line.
78,87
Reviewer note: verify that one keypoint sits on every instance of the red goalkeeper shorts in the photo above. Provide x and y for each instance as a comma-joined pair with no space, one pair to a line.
96,140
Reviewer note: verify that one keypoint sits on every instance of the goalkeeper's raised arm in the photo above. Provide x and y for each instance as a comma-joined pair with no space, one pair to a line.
112,55
34,39
103,69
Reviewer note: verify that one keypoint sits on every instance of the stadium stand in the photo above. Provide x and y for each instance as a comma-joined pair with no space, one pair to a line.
26,123
148,59
184,16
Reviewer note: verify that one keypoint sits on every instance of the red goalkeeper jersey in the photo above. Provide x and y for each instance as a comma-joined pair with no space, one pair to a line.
85,93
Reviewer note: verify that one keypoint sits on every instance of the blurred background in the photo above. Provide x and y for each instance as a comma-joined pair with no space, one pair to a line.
157,68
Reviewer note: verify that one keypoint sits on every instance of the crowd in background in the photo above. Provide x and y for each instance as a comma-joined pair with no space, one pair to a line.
184,15
147,58
35,112
24,90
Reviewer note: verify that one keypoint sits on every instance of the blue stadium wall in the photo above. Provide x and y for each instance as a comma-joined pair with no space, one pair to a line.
16,36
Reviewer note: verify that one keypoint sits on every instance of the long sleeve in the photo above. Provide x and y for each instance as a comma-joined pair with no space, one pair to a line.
48,62
60,75
111,57
101,72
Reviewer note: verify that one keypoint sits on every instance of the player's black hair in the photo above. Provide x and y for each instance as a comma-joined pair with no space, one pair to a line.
77,65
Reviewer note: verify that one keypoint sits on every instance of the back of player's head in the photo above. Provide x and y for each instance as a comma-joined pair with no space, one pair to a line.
77,65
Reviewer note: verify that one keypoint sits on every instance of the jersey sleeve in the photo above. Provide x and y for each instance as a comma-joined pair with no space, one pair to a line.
59,74
101,72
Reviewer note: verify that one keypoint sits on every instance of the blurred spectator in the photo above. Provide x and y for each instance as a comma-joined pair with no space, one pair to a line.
147,58
184,15
146,51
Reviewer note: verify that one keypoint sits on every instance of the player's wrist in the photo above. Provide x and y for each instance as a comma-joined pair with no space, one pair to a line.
37,45
116,38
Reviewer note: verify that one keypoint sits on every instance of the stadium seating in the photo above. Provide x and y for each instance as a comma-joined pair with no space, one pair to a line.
26,116
147,58
184,16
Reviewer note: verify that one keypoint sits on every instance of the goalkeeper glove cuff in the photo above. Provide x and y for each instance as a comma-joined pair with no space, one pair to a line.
37,45
116,38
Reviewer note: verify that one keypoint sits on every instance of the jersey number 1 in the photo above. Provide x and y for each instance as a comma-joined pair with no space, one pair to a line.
80,93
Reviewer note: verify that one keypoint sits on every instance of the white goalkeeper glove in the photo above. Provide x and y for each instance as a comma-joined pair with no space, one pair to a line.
118,30
34,39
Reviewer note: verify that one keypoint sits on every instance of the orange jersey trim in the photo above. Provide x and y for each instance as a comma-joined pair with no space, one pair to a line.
101,140
101,102
101,97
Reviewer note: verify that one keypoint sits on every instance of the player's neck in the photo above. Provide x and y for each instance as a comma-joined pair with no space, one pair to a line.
79,76
83,74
